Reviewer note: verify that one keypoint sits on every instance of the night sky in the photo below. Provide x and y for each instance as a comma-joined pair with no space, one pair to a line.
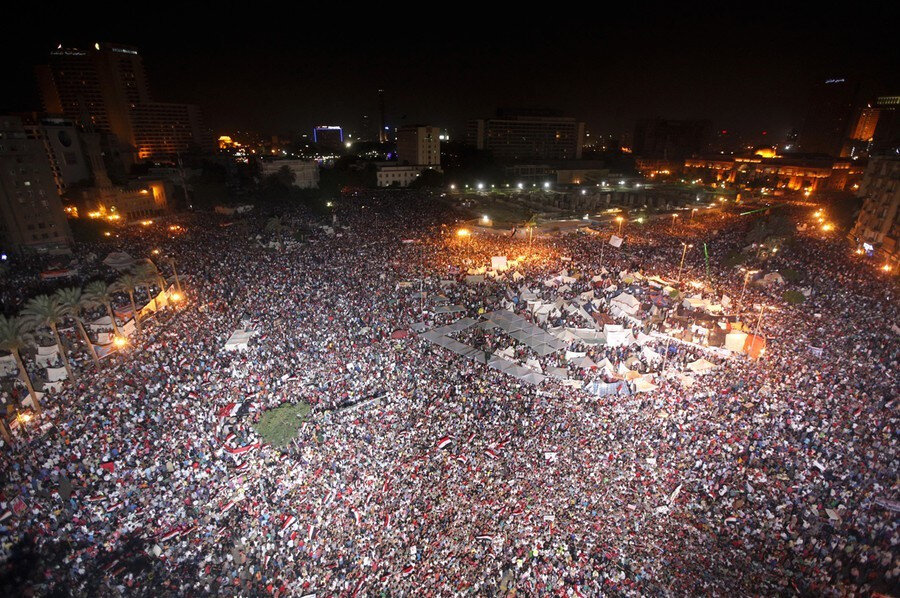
280,70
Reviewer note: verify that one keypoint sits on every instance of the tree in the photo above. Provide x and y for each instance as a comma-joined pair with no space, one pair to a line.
100,293
74,302
15,336
274,225
128,284
45,310
147,274
171,262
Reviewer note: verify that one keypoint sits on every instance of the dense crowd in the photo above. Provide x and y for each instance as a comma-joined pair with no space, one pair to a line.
421,473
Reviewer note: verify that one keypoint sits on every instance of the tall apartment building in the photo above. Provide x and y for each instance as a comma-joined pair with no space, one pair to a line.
31,213
879,219
515,136
63,146
105,90
329,136
829,116
419,145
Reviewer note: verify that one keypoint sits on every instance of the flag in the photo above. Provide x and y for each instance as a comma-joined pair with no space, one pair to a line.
173,533
229,410
407,570
310,532
112,508
387,520
485,537
96,498
109,466
491,454
462,459
444,442
355,515
288,522
243,449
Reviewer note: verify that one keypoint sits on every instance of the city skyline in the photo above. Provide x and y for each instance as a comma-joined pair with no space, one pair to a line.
749,75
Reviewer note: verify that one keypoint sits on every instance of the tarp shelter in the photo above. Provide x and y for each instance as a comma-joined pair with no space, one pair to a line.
643,385
627,303
398,334
55,374
735,341
616,335
119,260
7,365
239,340
754,346
498,263
700,366
772,278
104,323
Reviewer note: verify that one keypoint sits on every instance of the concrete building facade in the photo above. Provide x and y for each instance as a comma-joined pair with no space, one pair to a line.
878,223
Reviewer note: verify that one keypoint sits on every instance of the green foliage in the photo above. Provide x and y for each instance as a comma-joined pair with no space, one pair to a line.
674,293
792,297
279,426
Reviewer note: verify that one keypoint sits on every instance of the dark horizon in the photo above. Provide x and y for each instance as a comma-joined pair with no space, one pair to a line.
747,75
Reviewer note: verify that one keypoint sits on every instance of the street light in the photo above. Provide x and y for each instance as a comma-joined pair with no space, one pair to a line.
747,274
620,220
485,219
683,253
120,341
463,232
692,214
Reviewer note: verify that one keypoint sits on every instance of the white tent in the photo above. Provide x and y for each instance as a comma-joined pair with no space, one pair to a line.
616,335
499,263
119,260
7,365
55,374
700,366
51,350
627,303
643,385
734,341
99,324
45,360
650,355
686,381
584,363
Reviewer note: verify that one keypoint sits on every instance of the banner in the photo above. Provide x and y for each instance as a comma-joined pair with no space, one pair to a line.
615,241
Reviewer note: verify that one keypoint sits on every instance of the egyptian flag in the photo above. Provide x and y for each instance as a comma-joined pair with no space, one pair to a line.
112,508
444,442
189,530
226,507
229,410
109,466
387,520
243,466
242,449
462,459
288,522
491,454
485,537
228,438
471,438
96,498
355,515
6,515
408,570
174,533
358,587
310,532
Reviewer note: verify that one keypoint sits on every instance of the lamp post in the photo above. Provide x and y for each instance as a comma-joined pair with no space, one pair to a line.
692,214
686,246
620,220
747,274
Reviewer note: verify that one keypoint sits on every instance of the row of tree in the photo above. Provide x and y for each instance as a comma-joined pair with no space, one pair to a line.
17,333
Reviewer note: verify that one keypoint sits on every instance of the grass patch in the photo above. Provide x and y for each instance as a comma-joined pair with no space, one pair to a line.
279,426
793,297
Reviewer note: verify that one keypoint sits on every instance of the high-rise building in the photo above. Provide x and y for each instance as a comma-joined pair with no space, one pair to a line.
671,140
105,90
886,138
829,116
419,145
878,223
514,136
382,130
329,136
63,146
31,213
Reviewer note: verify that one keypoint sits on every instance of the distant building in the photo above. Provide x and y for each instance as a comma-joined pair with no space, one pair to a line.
305,172
139,199
794,172
419,145
398,176
878,223
329,136
563,172
670,140
829,116
63,146
31,213
517,136
886,138
105,90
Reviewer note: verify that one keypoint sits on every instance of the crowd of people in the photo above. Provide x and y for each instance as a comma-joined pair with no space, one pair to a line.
419,472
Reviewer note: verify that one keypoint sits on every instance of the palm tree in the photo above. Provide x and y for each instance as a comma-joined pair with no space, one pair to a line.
128,283
45,310
98,292
171,262
274,225
74,302
15,336
147,274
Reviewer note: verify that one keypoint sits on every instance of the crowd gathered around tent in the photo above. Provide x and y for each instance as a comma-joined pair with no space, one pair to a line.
474,430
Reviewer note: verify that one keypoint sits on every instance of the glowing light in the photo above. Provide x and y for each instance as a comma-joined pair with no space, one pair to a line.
107,234
520,186
463,232
547,185
485,219
146,222
827,227
120,341
155,252
452,187
480,186
176,297
887,268
144,192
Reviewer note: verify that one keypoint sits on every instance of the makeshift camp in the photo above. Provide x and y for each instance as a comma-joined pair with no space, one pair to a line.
55,374
644,385
627,303
701,366
499,263
754,346
119,260
239,340
616,335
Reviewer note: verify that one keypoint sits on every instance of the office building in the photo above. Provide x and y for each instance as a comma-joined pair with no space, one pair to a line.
329,136
829,116
104,89
63,146
389,175
31,213
886,138
517,136
419,145
878,224
305,172
670,140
